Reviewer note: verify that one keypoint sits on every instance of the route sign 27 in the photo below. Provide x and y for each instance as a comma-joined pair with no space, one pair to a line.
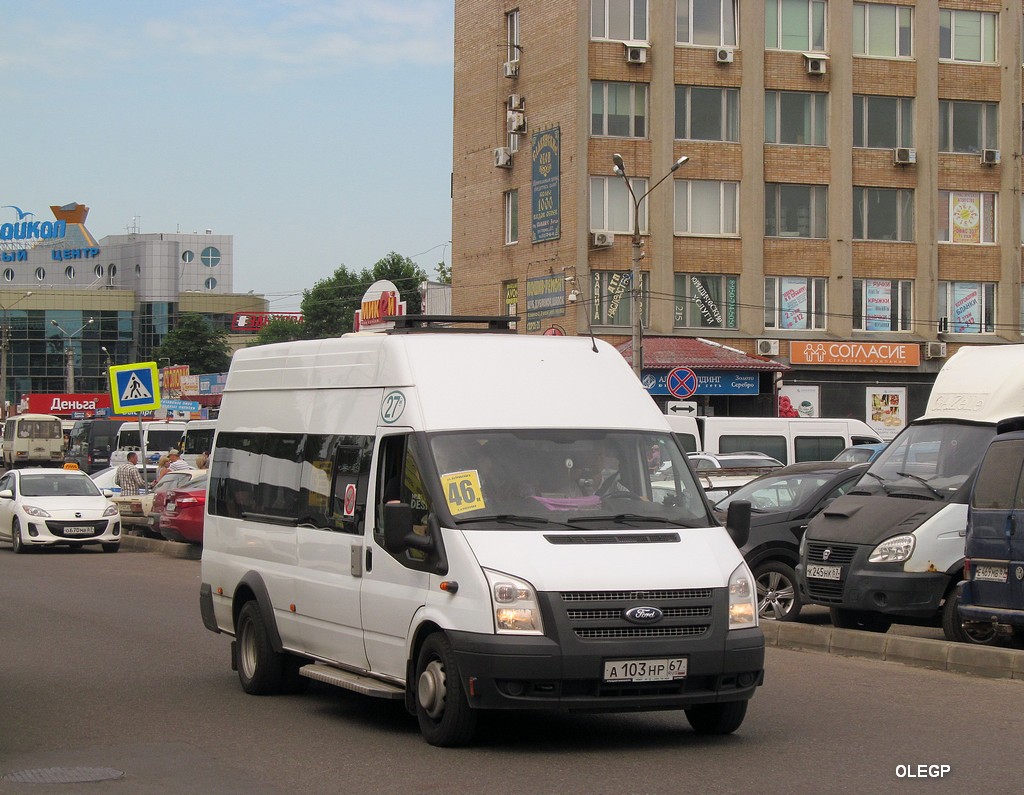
135,387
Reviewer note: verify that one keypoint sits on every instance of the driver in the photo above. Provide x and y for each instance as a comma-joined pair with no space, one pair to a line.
599,474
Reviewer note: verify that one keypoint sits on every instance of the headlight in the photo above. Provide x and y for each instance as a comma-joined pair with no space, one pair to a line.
111,510
516,610
742,599
893,550
32,510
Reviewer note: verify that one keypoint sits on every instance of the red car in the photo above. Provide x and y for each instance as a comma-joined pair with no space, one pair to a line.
182,517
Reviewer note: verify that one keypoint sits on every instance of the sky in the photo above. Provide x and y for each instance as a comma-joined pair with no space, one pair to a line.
317,132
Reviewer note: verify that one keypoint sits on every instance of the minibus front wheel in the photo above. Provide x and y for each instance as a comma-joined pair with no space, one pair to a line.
442,709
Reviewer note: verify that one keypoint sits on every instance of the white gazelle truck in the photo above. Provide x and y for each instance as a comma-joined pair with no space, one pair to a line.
464,519
892,547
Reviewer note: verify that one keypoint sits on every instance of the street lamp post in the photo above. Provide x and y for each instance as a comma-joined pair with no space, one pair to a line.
634,278
5,334
69,353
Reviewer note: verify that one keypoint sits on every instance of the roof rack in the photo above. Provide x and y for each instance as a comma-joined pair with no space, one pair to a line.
406,324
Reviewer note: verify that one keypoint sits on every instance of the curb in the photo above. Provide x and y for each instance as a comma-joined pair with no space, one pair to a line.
940,655
170,549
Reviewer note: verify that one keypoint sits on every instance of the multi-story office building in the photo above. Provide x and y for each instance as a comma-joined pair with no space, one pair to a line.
849,214
65,295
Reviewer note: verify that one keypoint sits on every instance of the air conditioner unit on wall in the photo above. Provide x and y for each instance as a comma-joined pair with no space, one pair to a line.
935,350
603,239
817,63
904,156
723,55
503,157
511,68
767,347
516,121
636,52
516,102
990,157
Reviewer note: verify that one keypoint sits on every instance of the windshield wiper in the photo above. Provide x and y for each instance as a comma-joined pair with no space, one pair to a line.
622,518
923,482
510,518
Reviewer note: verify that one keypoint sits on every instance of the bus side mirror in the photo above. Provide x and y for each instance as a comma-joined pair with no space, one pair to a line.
398,534
737,522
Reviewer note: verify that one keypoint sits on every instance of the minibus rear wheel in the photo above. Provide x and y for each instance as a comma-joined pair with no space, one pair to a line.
442,710
260,668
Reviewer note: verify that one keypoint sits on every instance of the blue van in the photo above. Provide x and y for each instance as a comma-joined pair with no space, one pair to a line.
991,596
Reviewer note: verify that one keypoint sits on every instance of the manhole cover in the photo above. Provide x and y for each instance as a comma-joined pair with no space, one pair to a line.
64,775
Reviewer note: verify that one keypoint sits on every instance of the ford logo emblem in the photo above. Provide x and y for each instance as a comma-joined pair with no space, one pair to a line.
643,615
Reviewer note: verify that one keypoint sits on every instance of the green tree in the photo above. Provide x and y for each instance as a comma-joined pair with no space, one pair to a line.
329,307
444,273
195,342
280,330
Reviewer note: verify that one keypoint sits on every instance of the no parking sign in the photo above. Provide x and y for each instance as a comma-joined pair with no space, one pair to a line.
682,382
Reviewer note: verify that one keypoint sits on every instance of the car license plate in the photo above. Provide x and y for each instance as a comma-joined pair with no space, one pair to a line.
645,670
78,531
990,573
824,572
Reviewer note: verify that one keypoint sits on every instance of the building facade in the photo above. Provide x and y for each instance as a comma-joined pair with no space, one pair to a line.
850,207
70,305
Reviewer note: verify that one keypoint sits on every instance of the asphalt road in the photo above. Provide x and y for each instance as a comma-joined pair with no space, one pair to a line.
105,666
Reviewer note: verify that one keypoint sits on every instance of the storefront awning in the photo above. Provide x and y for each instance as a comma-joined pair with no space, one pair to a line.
698,354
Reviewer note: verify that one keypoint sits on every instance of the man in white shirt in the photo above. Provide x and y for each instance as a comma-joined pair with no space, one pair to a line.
176,463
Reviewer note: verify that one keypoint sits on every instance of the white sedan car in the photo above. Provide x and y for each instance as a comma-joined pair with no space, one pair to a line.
49,507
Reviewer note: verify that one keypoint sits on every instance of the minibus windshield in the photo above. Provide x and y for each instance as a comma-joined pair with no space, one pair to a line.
526,479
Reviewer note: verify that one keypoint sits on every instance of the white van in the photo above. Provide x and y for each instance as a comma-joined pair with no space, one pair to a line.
454,520
159,437
198,439
791,441
893,546
33,440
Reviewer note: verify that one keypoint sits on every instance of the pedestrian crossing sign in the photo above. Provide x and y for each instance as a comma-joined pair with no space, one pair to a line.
134,387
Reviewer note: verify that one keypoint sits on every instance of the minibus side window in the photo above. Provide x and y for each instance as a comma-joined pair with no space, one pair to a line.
234,474
334,465
997,486
400,479
817,448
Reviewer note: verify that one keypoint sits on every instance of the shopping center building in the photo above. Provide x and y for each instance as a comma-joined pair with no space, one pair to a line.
70,305
848,216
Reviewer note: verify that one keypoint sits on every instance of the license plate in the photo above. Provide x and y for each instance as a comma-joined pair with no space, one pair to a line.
990,573
645,670
79,531
824,572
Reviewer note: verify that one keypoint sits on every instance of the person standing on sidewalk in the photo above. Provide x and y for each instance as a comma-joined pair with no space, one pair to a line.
128,477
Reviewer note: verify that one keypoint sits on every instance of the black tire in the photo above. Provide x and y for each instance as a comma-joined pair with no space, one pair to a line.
111,547
865,620
17,545
442,709
953,628
778,597
261,670
723,718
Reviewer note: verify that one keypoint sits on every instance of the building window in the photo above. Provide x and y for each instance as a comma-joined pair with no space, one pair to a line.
794,25
882,122
210,283
795,210
882,30
187,256
967,307
968,126
968,36
882,304
69,272
513,142
112,270
795,117
883,214
210,257
966,217
98,271
612,298
511,217
512,35
618,20
611,206
40,274
706,207
8,274
794,302
711,23
618,109
510,300
707,114
705,300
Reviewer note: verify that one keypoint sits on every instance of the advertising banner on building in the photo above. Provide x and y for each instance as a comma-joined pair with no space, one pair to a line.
545,154
709,382
878,304
799,401
966,218
794,302
887,410
545,297
882,354
966,307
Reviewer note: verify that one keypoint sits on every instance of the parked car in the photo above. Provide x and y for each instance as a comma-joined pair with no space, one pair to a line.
106,477
50,507
861,453
720,474
182,516
140,513
782,502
